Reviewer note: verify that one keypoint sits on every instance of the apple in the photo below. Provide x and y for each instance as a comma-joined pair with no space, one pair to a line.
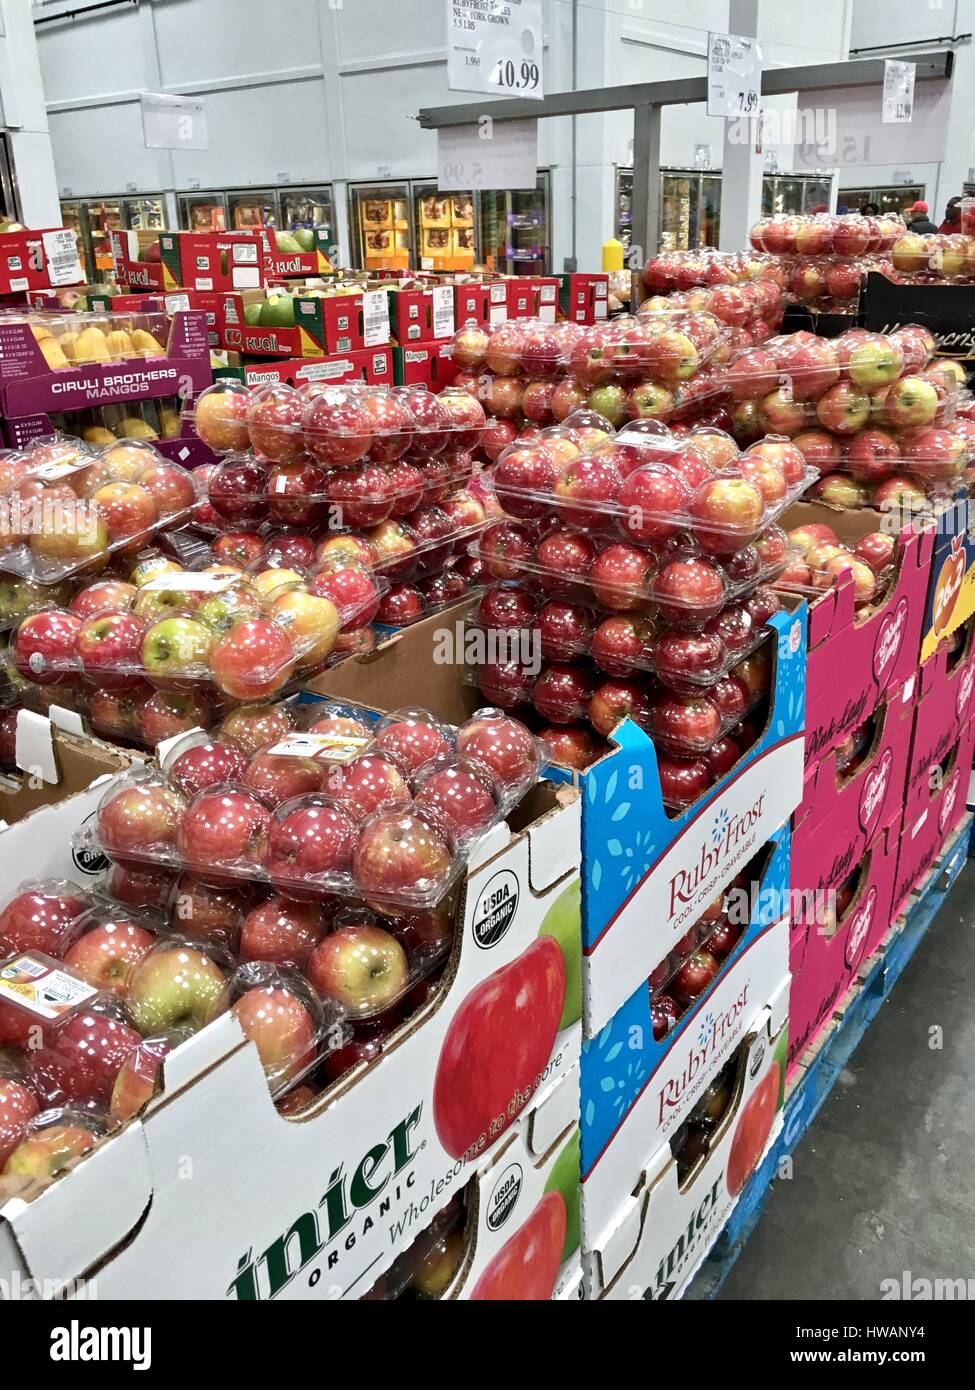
219,416
107,596
728,511
282,1027
308,840
912,402
685,660
278,777
459,800
754,1127
254,726
613,701
621,577
778,412
689,590
255,659
236,489
839,490
562,692
175,986
205,913
762,604
652,503
79,1058
223,829
350,587
664,1013
937,454
506,684
469,347
109,648
18,1106
163,715
140,1075
527,1265
282,932
176,649
899,494
362,967
877,549
412,740
683,780
105,955
694,977
366,783
570,746
872,455
139,821
399,857
501,745
40,918
44,647
564,560
288,550
687,721
127,510
275,417
48,1151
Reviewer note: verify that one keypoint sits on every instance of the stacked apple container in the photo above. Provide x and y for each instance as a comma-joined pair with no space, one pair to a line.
301,869
387,478
742,291
820,259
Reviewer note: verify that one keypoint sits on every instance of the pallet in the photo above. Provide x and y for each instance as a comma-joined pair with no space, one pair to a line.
830,1052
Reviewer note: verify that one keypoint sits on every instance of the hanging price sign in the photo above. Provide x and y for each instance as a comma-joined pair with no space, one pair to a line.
898,107
495,46
734,75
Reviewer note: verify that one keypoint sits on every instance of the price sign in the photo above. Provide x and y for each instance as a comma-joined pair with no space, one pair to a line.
898,107
469,163
495,46
734,75
174,123
61,255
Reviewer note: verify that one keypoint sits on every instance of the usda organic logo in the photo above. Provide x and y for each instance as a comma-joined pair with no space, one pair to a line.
495,909
503,1199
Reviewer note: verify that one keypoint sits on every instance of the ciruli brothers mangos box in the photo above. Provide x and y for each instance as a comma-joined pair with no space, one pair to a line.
356,1176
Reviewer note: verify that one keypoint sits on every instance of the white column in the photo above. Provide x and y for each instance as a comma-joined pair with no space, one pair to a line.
24,114
742,168
960,141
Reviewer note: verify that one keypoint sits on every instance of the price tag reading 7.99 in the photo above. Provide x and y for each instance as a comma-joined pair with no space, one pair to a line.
734,75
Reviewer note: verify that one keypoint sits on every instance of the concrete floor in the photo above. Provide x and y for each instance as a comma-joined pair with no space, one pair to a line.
884,1180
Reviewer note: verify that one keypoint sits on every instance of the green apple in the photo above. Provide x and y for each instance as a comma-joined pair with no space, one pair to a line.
175,986
563,921
610,402
225,610
156,604
564,1178
176,645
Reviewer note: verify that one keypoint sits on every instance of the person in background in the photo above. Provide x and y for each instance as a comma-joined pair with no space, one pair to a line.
952,222
918,219
818,207
870,210
842,210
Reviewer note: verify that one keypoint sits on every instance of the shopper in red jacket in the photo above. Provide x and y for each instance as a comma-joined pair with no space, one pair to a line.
952,222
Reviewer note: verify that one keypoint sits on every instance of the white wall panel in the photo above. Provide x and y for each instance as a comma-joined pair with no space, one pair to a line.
257,133
94,56
222,39
101,150
384,31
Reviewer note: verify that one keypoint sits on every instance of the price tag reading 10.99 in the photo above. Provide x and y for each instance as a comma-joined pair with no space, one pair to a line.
517,77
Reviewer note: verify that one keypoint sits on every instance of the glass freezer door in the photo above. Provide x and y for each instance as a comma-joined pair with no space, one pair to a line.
444,228
257,207
73,216
379,214
202,212
143,214
514,229
309,208
104,217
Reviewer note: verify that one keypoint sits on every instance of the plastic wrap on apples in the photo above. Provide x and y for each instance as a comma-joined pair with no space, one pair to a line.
51,1140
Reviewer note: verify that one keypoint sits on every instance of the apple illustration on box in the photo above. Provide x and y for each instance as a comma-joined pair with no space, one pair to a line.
755,1124
525,1268
496,1048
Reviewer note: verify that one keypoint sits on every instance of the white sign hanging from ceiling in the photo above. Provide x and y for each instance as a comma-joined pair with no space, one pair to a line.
492,154
174,123
734,75
495,46
898,102
844,129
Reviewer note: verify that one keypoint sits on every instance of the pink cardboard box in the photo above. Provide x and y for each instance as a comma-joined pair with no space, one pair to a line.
839,816
824,959
854,660
944,705
932,813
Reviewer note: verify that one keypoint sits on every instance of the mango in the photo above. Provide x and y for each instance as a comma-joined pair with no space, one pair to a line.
53,355
145,344
98,434
92,346
252,313
169,421
40,332
131,427
120,344
68,343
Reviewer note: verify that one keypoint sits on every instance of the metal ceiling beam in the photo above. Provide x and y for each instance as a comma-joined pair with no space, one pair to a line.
860,72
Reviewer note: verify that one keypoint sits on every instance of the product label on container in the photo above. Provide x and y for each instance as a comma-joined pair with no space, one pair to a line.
40,987
192,583
335,748
61,255
443,311
375,318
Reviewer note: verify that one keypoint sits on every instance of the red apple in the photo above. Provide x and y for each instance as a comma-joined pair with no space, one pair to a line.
105,955
79,1059
527,1265
223,829
40,918
561,694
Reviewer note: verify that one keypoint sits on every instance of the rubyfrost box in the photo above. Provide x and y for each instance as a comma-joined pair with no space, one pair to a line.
653,1243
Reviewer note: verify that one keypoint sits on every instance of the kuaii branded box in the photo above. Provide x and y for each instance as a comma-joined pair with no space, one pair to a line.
39,260
424,364
420,315
584,298
950,600
30,391
212,260
624,1067
374,366
943,707
839,815
480,303
524,1218
321,325
872,654
360,1172
131,270
671,1216
282,262
649,874
830,941
933,811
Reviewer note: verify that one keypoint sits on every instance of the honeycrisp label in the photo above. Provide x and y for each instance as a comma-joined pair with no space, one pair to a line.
41,988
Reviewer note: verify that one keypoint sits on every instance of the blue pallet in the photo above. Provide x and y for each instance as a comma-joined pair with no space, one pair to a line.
832,1055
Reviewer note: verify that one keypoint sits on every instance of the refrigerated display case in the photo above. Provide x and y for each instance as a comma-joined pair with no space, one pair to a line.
794,193
308,207
144,214
202,212
444,225
513,228
382,235
252,208
888,199
73,216
104,216
690,208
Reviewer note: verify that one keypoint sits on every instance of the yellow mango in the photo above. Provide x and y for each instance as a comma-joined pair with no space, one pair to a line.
134,428
40,332
53,355
98,434
68,343
169,421
119,344
145,344
92,346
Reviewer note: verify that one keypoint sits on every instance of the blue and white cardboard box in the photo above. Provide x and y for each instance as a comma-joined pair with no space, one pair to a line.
647,876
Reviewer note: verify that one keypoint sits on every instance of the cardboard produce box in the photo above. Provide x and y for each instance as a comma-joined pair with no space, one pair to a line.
54,766
933,812
942,709
950,599
663,1229
321,325
36,260
374,366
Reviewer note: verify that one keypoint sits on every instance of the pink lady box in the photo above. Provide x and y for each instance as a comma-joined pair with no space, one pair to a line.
834,930
842,810
856,657
935,809
945,704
